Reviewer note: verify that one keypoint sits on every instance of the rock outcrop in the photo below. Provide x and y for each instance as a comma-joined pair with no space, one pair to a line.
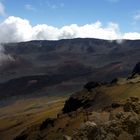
136,69
121,125
91,85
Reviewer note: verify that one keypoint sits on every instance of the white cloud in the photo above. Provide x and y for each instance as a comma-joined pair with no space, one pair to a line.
4,58
2,10
15,29
30,7
137,16
54,6
51,6
131,35
136,21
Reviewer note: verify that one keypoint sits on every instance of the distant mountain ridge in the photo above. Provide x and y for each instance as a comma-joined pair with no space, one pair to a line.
80,59
47,56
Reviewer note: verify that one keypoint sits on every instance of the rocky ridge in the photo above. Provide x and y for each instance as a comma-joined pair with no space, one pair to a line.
121,125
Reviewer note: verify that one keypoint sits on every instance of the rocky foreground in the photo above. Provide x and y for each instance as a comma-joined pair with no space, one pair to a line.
119,121
101,111
123,125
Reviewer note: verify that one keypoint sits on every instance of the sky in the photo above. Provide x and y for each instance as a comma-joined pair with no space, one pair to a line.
23,20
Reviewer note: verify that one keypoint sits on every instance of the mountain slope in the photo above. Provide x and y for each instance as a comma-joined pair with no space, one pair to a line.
100,110
80,59
112,110
48,57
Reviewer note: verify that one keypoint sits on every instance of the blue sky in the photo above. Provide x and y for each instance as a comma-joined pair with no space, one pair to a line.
64,12
59,13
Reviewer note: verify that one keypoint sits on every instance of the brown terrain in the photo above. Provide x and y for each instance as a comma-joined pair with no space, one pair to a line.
75,89
101,111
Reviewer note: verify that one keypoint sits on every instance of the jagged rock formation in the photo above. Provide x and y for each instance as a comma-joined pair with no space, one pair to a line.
90,85
136,69
72,104
46,123
121,125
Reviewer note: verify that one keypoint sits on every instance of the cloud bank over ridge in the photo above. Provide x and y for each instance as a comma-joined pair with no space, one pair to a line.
16,29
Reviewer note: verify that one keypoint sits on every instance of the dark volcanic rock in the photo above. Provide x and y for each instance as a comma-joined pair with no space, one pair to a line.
22,137
91,85
136,69
46,123
114,81
72,104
